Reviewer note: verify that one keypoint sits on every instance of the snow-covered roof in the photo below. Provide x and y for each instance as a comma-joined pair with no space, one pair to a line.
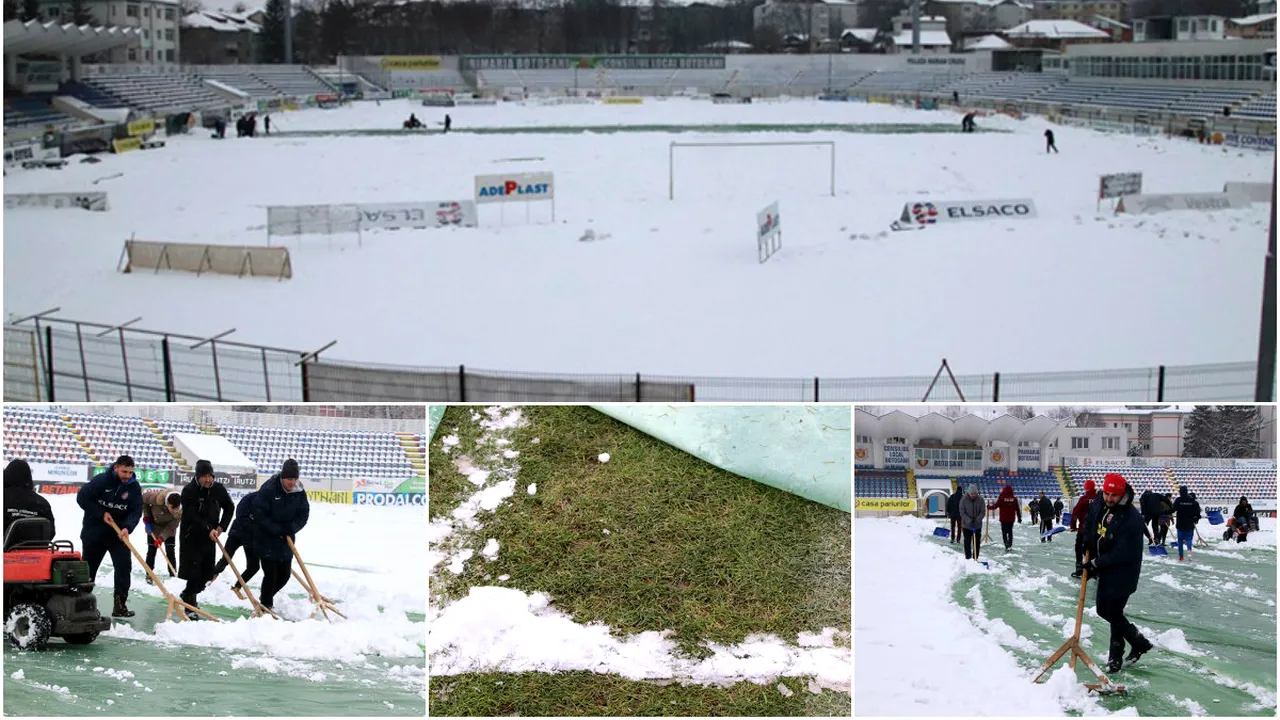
727,45
928,38
989,42
987,3
1254,19
1057,29
864,34
1108,21
222,22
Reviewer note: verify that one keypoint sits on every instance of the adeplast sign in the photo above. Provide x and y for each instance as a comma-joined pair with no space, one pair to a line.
515,187
389,499
923,213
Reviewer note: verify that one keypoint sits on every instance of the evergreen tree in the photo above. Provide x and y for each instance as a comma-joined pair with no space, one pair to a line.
1228,431
272,36
1198,429
30,10
81,15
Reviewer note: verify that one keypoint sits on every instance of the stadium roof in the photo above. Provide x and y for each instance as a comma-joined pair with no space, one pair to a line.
967,429
1055,30
64,39
1254,19
866,35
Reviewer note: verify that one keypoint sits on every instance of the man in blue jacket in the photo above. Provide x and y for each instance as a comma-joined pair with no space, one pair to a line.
280,510
1117,563
113,494
241,536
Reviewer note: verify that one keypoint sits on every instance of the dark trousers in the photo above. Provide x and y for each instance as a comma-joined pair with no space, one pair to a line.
97,548
1155,530
275,575
1006,532
251,564
972,539
1079,548
1050,146
1045,526
1111,609
169,545
955,529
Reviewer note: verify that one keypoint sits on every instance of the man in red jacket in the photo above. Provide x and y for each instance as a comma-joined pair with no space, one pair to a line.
1010,509
1078,514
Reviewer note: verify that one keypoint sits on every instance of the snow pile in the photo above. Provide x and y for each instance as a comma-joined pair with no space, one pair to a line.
1174,640
909,668
501,629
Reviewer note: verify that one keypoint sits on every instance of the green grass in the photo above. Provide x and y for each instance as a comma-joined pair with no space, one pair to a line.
446,487
583,693
691,548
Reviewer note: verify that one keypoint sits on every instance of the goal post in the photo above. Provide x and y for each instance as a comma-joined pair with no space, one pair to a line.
671,156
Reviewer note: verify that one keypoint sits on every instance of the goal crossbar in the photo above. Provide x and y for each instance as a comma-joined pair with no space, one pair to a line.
671,156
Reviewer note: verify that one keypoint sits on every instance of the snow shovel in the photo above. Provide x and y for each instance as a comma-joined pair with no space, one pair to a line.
1072,646
941,532
1055,531
1215,517
323,604
1157,550
172,569
986,534
258,608
1199,540
173,601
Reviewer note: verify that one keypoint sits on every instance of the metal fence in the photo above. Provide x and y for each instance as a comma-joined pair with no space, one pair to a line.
56,360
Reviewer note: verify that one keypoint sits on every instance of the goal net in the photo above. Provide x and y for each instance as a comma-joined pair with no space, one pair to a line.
701,169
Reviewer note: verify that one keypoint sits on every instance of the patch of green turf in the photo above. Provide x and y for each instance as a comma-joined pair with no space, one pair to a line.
583,693
446,487
691,548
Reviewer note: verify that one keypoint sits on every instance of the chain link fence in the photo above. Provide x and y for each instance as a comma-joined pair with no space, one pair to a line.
68,361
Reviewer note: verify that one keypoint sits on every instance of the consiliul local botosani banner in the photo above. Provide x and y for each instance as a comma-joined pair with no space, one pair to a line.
389,492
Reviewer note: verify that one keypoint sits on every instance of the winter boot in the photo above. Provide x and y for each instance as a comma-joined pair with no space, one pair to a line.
1143,647
190,600
1114,666
119,609
1079,573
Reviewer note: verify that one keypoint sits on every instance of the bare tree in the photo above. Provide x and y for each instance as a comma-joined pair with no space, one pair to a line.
1022,412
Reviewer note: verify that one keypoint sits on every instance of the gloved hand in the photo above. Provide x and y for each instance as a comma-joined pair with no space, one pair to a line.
1091,566
157,540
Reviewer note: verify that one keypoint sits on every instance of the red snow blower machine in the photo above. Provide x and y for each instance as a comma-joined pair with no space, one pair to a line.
47,589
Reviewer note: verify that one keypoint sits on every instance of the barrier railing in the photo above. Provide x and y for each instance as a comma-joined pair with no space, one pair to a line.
56,360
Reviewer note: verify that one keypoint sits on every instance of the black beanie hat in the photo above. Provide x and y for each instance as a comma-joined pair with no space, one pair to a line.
290,469
203,467
18,474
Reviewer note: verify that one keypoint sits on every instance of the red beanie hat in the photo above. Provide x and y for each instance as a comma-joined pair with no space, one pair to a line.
1089,486
1113,483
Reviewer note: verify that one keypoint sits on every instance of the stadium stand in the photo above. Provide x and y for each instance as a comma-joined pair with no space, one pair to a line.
84,438
1213,483
31,110
1026,484
91,95
156,91
1142,478
41,436
880,484
425,79
1262,108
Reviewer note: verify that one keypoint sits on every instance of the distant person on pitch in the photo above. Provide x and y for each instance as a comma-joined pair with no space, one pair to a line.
112,495
953,513
448,122
206,514
1116,560
1187,512
280,512
1046,517
1049,144
1057,510
161,513
972,511
266,124
1079,514
1010,509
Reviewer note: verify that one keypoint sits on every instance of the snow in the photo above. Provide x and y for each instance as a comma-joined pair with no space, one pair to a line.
349,565
448,443
668,260
604,457
1176,641
532,489
490,549
914,670
502,629
18,675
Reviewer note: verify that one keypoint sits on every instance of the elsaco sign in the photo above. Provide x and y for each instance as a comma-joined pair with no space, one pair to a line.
926,212
518,187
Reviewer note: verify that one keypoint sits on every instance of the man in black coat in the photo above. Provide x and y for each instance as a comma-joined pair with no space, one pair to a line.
1045,510
21,501
1057,510
115,494
1187,513
953,512
206,514
280,511
1049,144
1117,562
241,536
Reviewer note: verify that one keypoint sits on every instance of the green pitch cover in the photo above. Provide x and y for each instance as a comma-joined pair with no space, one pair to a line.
801,449
434,414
